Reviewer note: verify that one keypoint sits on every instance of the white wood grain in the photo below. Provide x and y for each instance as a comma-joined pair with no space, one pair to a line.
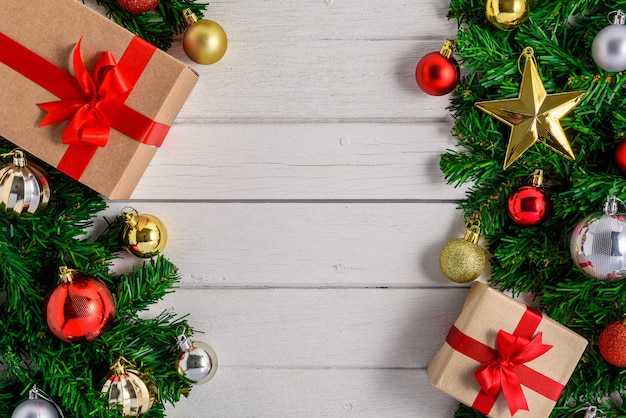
300,393
305,208
301,161
321,328
304,244
322,352
313,81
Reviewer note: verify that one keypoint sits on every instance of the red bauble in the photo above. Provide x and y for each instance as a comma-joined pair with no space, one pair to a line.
529,205
620,158
437,74
138,6
612,343
80,308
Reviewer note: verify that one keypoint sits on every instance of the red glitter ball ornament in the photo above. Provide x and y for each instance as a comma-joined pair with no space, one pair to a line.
612,343
619,158
530,205
80,308
438,73
138,6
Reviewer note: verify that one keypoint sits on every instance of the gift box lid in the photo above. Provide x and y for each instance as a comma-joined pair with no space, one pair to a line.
51,32
485,312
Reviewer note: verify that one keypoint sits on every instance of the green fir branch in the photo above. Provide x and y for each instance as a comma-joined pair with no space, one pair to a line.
538,260
31,251
158,26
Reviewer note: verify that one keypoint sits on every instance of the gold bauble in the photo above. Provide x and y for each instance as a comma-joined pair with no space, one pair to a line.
144,236
24,187
507,14
462,260
204,41
129,391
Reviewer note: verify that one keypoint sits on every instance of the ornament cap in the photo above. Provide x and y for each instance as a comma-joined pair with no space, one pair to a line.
19,158
473,232
190,17
130,216
66,275
447,50
538,178
610,206
616,17
184,343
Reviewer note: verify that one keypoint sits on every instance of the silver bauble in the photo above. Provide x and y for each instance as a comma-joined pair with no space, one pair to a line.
198,362
609,46
35,408
598,244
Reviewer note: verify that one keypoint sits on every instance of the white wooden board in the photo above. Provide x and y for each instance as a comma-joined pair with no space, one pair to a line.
301,190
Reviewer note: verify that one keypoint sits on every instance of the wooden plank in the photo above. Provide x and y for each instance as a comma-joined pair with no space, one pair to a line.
313,81
301,161
332,19
303,244
254,392
320,328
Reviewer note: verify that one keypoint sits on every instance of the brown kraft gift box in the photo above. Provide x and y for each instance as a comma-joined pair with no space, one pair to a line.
42,46
487,313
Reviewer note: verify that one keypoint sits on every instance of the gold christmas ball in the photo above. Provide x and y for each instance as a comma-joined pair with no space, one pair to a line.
144,236
204,41
507,14
129,391
462,261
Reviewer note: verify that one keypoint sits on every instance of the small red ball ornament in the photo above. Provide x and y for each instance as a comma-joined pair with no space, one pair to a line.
80,308
620,158
138,6
530,205
612,343
438,73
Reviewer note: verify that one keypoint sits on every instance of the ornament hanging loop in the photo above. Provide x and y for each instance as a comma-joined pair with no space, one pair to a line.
529,53
19,157
36,393
590,411
616,17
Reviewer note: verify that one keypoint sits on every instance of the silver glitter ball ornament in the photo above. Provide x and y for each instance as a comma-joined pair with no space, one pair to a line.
598,244
609,46
198,361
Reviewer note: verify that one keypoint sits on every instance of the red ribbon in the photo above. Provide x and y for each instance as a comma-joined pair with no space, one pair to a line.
92,103
503,369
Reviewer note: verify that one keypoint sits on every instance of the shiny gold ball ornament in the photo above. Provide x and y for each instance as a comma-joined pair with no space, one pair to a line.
197,362
129,391
24,187
144,235
204,41
463,260
507,14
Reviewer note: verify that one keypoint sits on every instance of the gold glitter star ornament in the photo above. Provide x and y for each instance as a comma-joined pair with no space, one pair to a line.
534,115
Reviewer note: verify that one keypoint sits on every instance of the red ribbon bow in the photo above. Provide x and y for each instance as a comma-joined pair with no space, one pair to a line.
499,373
503,369
89,116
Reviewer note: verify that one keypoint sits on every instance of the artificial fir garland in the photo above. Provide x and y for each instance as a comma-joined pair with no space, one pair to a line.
157,26
32,249
538,260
